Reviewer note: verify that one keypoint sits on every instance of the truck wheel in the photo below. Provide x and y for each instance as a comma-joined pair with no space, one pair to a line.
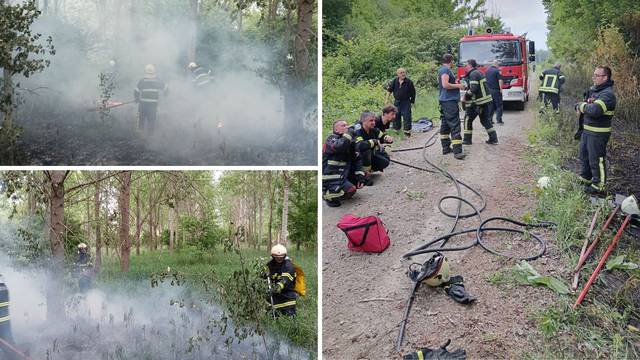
518,105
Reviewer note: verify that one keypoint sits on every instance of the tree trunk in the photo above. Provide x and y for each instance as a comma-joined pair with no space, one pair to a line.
171,227
138,220
271,198
123,204
285,208
193,38
260,223
7,105
98,224
303,34
55,303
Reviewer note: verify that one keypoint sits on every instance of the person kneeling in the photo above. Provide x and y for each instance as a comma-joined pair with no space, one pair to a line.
369,142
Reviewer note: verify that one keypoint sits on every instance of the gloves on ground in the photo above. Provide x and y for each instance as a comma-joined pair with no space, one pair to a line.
441,353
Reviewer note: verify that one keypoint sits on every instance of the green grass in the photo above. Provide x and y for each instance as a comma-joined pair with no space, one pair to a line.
598,328
195,265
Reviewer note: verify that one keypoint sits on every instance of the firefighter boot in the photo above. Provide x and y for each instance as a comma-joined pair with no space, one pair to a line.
466,139
493,138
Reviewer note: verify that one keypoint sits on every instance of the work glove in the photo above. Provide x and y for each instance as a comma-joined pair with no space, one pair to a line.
441,353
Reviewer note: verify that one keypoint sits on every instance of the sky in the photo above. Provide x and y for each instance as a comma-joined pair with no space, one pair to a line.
522,16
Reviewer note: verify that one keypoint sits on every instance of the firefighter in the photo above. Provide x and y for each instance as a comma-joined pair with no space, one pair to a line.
597,111
404,94
83,267
369,142
552,80
201,76
478,103
341,168
147,95
283,279
450,137
389,113
494,83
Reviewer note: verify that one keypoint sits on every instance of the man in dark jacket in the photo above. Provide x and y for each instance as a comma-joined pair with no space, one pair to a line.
383,121
369,142
552,80
494,83
282,276
598,111
342,171
478,103
404,94
147,95
84,267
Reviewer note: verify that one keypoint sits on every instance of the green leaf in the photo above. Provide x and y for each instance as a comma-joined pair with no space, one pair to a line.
526,274
619,263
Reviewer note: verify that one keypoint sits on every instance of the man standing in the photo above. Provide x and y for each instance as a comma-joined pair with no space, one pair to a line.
383,122
201,77
369,142
282,277
598,111
341,169
494,83
552,80
147,95
478,103
450,137
84,267
404,94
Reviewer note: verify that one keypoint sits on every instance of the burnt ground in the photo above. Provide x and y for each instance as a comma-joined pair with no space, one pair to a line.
364,294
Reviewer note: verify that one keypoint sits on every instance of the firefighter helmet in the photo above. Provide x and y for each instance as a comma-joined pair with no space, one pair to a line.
278,250
150,69
192,65
82,246
434,272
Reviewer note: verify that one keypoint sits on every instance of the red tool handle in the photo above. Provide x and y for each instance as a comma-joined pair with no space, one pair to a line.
14,350
583,258
602,261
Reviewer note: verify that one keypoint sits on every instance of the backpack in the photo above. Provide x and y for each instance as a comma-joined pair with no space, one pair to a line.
366,234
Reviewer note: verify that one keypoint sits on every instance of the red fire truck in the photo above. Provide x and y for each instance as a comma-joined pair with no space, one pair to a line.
513,55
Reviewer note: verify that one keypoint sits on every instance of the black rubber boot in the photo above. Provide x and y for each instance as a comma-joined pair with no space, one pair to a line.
333,203
447,150
493,138
466,139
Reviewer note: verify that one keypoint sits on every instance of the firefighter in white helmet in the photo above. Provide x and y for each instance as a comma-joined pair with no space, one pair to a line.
200,76
147,95
84,267
283,278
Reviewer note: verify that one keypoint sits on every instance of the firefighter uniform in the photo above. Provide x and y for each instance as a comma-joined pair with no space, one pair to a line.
341,169
552,80
283,281
373,156
493,83
201,77
598,112
147,94
477,102
450,136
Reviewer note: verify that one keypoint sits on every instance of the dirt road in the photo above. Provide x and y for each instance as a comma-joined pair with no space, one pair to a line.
364,294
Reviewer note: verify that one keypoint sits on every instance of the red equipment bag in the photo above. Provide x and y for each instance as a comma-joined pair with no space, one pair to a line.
366,234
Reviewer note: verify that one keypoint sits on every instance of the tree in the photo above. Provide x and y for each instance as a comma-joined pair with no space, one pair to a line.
285,208
19,51
124,198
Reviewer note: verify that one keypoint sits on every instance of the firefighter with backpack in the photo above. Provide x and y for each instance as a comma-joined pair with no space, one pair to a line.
286,282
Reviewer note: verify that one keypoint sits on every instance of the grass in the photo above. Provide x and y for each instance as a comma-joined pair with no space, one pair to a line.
598,328
195,265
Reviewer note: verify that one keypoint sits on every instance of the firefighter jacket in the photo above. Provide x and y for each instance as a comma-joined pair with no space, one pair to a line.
339,161
201,76
83,261
283,282
369,141
598,113
478,92
552,79
148,90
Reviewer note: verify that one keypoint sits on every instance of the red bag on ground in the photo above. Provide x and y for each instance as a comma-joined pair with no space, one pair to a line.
365,233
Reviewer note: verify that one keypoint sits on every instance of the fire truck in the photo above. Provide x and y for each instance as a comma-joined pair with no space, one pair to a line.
513,55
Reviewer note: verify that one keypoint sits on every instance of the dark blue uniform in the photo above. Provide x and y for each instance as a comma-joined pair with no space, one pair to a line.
450,134
373,156
478,104
283,282
493,83
596,133
404,95
552,80
341,169
147,95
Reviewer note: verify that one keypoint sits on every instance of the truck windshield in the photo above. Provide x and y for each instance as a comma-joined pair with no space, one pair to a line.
505,51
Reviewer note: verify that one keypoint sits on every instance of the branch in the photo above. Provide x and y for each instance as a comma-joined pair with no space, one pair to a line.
78,187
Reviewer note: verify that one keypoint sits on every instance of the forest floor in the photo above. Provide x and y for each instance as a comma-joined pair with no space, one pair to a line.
364,295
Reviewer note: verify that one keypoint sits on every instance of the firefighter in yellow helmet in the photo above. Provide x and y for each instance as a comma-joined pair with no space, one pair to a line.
282,275
147,95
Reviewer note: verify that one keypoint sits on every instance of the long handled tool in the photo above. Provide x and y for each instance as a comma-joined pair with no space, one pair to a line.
12,349
273,309
111,105
583,258
576,276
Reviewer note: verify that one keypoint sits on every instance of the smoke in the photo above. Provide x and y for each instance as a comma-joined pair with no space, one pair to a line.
242,118
163,322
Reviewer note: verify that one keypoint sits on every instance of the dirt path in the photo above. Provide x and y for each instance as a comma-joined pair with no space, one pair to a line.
498,324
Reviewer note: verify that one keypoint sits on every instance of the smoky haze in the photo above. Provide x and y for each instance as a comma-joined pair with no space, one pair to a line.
241,119
164,322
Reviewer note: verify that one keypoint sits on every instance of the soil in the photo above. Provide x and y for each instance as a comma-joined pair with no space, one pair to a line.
364,295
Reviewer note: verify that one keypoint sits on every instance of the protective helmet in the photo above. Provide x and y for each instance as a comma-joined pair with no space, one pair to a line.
150,69
82,246
434,272
192,65
278,250
112,63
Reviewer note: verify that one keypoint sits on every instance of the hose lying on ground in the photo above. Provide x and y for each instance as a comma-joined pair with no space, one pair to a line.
481,229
